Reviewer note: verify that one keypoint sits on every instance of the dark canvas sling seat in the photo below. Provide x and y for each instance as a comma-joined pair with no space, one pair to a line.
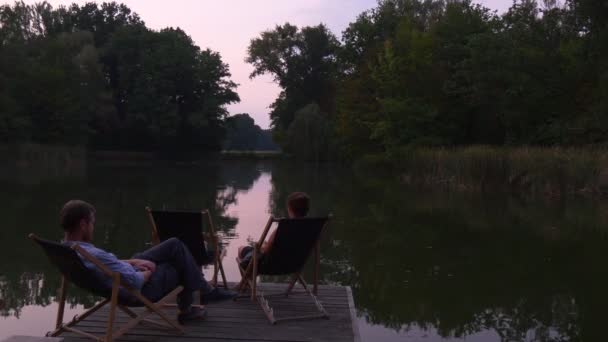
119,295
189,227
296,239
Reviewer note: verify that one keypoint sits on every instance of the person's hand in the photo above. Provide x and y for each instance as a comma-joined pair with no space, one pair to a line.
147,274
147,265
143,265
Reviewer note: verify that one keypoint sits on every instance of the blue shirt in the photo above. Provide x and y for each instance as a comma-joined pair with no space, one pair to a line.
128,274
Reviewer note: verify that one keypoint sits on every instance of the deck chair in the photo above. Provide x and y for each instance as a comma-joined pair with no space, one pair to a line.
119,295
295,240
188,226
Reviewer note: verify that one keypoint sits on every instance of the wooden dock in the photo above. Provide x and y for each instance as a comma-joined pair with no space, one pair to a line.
244,321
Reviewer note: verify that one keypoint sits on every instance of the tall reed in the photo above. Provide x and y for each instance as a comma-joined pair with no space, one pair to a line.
553,171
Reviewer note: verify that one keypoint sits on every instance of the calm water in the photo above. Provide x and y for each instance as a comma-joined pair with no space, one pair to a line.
424,266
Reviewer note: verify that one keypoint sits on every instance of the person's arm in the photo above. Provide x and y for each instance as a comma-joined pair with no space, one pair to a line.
146,275
141,265
267,245
128,274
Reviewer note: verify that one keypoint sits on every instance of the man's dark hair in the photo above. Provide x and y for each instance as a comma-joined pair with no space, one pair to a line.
299,203
74,211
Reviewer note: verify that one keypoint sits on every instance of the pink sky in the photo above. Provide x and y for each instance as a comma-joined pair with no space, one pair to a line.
227,26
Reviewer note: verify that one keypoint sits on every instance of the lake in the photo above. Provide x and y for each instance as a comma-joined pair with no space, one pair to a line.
423,265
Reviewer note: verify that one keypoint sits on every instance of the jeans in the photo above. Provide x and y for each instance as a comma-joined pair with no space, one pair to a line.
174,266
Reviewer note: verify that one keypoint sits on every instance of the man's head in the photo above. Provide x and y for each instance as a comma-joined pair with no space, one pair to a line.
78,220
298,204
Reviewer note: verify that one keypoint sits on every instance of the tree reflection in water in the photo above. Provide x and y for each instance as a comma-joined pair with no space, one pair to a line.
528,269
120,194
457,264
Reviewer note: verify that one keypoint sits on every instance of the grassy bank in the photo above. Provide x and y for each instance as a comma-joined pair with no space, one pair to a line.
30,163
550,171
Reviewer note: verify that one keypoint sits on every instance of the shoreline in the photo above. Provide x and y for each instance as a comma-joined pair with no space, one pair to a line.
553,172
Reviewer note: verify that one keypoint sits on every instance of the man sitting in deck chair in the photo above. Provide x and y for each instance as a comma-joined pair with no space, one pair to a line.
285,253
155,272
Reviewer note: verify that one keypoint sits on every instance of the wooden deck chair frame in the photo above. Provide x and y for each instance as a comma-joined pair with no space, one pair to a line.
250,274
211,238
110,335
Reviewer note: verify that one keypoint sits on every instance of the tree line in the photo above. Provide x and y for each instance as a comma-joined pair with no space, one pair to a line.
405,73
96,75
440,73
242,134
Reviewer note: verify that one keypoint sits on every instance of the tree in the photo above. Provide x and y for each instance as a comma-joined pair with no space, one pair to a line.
243,134
170,94
309,134
449,73
304,64
94,74
54,88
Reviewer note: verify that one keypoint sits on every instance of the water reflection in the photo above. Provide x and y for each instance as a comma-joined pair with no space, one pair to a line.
120,193
528,270
422,265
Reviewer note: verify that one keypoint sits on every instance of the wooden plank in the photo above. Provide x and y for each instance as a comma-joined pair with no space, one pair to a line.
244,320
328,289
21,338
248,312
186,339
236,332
227,326
256,320
353,315
246,308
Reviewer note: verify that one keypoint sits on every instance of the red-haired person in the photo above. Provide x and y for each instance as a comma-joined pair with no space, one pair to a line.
298,204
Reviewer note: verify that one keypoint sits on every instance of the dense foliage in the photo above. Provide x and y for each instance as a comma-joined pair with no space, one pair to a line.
445,73
94,74
406,73
243,134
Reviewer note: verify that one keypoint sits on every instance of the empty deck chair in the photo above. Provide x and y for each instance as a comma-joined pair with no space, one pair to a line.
119,295
295,240
188,226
